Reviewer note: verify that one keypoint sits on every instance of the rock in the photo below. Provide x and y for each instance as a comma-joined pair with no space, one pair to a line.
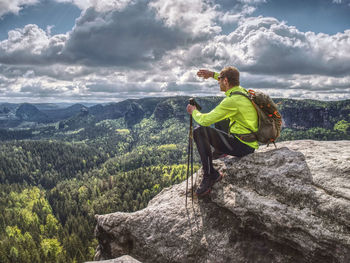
134,114
290,204
123,259
306,117
163,111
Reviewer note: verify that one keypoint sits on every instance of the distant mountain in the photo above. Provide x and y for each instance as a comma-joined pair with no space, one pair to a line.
4,110
134,110
305,114
63,113
131,108
297,114
28,112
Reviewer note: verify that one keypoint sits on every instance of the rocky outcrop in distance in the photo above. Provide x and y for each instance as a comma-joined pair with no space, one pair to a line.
297,114
29,112
290,204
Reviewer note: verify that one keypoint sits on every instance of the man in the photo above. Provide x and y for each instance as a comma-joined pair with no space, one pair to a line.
243,120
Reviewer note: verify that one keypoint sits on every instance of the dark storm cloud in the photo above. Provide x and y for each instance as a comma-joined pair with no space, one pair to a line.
132,37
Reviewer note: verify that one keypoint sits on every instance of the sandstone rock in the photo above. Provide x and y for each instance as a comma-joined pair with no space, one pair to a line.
123,259
290,204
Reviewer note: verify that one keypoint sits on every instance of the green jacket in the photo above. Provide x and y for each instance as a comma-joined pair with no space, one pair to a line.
238,109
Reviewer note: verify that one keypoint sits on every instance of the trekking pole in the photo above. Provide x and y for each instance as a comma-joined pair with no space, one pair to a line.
188,157
190,151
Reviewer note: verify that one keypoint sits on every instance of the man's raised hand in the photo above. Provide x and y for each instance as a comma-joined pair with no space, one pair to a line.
204,73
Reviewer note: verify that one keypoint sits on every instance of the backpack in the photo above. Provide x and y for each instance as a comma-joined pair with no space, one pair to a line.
269,119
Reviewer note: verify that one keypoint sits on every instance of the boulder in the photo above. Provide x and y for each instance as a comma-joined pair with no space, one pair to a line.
122,259
290,204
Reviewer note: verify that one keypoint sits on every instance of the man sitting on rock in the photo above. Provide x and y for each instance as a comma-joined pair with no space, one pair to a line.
243,119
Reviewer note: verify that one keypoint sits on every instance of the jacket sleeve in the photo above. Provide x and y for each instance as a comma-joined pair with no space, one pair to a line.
216,75
219,113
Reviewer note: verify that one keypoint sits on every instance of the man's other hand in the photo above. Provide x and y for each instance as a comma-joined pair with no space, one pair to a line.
190,108
204,73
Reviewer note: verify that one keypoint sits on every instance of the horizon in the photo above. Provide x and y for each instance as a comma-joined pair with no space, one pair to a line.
108,51
70,103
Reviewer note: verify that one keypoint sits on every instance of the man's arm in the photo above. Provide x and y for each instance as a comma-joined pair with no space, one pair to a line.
219,113
204,73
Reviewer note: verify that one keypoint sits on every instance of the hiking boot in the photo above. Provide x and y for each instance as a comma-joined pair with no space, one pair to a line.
205,186
207,182
215,177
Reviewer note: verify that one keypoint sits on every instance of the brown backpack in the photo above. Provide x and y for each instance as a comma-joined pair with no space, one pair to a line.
269,119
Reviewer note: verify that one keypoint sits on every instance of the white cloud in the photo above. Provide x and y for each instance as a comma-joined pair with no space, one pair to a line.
267,46
31,45
14,6
252,1
99,5
194,16
121,49
230,17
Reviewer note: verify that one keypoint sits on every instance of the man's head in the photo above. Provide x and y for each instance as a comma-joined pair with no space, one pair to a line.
229,77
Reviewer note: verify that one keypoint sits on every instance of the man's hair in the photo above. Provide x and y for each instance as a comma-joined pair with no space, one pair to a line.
232,75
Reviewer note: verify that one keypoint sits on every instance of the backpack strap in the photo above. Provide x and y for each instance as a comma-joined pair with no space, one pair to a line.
247,137
240,93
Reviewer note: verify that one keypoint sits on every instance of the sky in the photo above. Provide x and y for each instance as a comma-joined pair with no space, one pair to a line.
106,51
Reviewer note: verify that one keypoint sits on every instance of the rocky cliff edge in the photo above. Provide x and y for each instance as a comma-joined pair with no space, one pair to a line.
290,204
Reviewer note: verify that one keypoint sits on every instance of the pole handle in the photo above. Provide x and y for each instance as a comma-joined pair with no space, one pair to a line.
193,102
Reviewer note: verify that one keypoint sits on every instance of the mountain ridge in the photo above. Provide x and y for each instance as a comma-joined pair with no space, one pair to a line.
164,107
302,119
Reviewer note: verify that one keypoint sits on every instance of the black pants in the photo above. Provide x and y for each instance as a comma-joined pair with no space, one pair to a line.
221,141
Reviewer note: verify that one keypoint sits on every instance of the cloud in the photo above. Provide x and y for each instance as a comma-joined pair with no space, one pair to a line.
14,6
130,49
230,17
196,17
130,37
121,87
57,72
252,1
139,34
99,5
342,2
39,89
31,45
263,45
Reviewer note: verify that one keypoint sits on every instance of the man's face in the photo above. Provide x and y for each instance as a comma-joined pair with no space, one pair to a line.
222,82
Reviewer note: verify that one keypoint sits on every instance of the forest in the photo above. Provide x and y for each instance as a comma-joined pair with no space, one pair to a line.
55,177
